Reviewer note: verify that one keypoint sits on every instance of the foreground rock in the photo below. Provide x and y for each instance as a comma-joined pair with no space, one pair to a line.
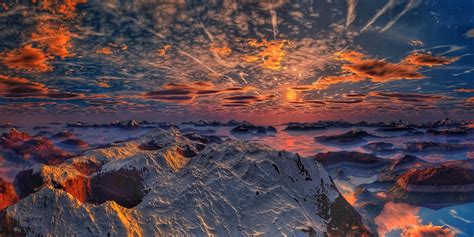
181,187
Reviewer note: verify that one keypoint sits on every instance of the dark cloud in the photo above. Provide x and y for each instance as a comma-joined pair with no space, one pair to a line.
245,99
185,93
408,97
353,101
14,87
383,71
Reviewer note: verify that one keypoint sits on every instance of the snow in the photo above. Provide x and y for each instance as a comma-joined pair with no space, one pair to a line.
233,189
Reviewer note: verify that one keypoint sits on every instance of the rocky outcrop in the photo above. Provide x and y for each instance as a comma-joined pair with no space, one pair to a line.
437,179
32,149
348,138
253,130
232,188
303,127
437,147
8,194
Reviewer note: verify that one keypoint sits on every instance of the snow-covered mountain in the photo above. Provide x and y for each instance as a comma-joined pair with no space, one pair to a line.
168,183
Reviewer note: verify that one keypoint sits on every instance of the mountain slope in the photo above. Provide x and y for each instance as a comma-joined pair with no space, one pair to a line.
189,188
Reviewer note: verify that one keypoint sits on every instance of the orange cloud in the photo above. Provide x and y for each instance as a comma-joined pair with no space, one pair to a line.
27,58
396,216
66,8
428,60
270,53
325,82
162,52
55,38
221,51
428,230
401,216
350,56
104,50
358,68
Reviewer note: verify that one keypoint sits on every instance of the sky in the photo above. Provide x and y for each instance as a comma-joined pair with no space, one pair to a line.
264,61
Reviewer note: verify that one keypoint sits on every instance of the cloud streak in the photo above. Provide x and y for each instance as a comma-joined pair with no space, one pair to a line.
351,11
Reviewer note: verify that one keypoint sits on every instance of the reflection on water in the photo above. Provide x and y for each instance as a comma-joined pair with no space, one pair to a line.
402,219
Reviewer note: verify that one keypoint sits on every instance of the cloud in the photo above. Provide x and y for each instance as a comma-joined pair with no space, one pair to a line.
408,7
66,9
469,33
351,12
408,97
185,93
104,50
27,58
15,87
269,55
346,101
465,90
401,216
428,60
243,100
54,37
358,67
389,5
325,82
221,51
428,230
380,70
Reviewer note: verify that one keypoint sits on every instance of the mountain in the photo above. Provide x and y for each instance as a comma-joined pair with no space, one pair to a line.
181,187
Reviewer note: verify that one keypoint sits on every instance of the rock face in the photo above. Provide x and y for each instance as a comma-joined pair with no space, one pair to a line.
395,129
437,147
448,132
438,178
8,194
234,188
381,148
35,150
408,179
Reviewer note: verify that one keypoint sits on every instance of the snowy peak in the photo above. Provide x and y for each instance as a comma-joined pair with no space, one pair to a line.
183,187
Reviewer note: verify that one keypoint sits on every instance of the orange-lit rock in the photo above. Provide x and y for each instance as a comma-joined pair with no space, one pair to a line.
7,194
